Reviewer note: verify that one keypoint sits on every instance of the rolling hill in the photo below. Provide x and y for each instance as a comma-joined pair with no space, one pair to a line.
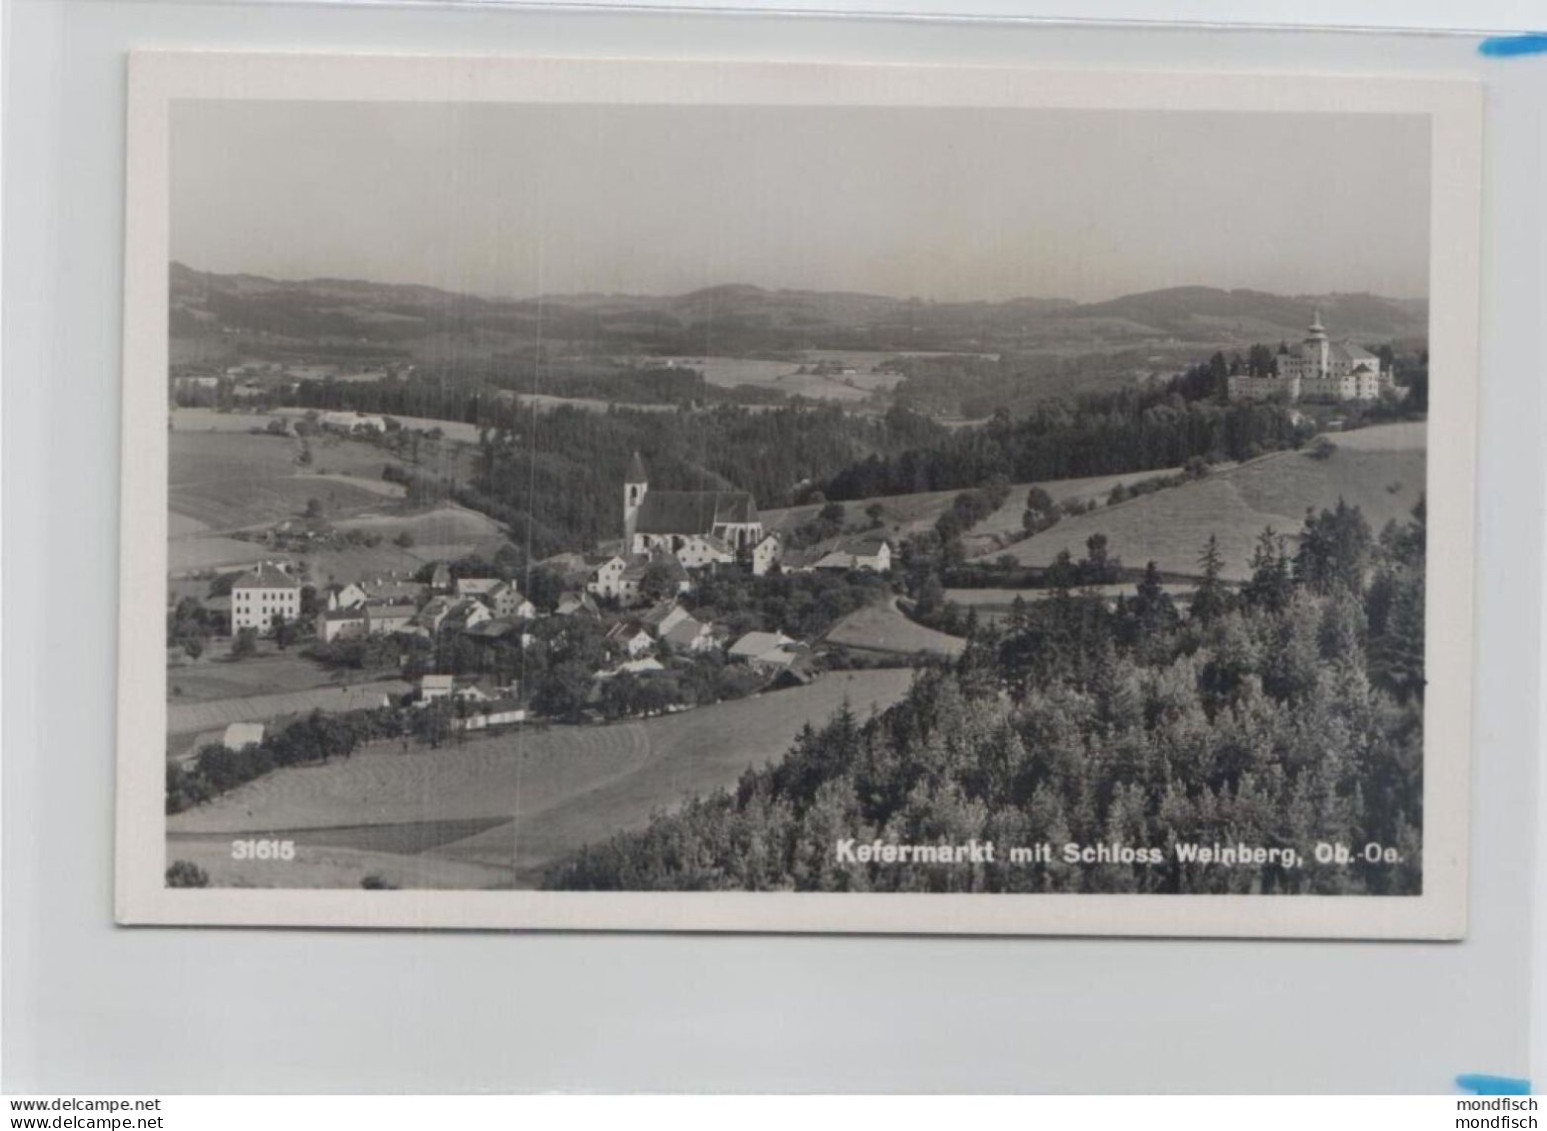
1379,469
738,319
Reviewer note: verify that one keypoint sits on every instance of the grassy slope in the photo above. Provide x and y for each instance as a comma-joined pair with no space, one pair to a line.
882,627
1381,470
564,786
906,515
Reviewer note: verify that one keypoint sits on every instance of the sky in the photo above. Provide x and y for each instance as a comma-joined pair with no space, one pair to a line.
939,204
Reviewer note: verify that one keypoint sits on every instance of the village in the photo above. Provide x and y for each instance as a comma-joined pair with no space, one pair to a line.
611,634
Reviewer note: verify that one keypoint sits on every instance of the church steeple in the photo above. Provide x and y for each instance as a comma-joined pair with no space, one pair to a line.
635,483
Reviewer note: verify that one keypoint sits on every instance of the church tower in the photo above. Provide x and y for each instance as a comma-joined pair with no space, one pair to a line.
635,484
1318,346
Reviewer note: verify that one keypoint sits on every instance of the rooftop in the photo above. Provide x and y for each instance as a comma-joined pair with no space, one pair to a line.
266,576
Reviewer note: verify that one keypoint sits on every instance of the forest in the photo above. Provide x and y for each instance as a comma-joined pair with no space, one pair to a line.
1280,713
1097,434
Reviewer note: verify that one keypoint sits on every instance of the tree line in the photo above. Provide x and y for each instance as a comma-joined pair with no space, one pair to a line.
1282,713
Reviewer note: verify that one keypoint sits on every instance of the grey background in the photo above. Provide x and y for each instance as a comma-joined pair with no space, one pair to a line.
92,1008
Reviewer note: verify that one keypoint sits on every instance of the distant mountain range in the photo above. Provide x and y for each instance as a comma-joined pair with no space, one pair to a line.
739,319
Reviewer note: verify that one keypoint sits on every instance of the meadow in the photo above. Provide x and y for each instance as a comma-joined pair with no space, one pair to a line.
1379,469
542,791
883,628
906,515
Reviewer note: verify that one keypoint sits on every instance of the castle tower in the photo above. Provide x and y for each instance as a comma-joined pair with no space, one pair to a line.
635,484
1318,345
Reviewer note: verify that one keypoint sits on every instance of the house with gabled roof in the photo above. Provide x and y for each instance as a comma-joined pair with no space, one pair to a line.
333,624
464,614
605,576
873,555
756,644
383,620
765,555
434,612
690,635
263,597
631,636
661,618
346,596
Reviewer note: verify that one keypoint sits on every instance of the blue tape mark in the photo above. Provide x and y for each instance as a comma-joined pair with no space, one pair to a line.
1505,45
1481,1085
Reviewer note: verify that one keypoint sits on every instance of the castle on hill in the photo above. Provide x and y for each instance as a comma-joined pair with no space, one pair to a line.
1318,369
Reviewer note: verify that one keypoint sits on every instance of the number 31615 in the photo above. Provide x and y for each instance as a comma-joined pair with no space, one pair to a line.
263,850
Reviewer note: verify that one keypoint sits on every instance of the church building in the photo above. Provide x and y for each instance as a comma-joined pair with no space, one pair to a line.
694,522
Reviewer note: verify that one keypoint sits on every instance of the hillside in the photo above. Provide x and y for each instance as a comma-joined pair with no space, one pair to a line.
1380,469
365,319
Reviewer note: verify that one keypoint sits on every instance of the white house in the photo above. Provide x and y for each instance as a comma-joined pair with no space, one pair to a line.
606,578
262,597
466,613
349,421
765,555
697,551
873,555
506,601
383,620
335,623
632,637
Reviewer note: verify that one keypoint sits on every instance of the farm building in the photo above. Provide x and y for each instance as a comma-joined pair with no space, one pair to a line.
873,555
494,713
756,644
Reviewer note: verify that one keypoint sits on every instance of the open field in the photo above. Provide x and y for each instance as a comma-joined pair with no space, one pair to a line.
187,718
230,481
223,479
883,627
783,376
212,420
276,673
550,790
332,866
906,515
1383,474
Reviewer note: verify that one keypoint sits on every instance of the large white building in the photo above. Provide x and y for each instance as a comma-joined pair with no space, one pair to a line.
263,596
1318,369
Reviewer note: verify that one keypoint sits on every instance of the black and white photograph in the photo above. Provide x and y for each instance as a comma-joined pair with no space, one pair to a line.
749,497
